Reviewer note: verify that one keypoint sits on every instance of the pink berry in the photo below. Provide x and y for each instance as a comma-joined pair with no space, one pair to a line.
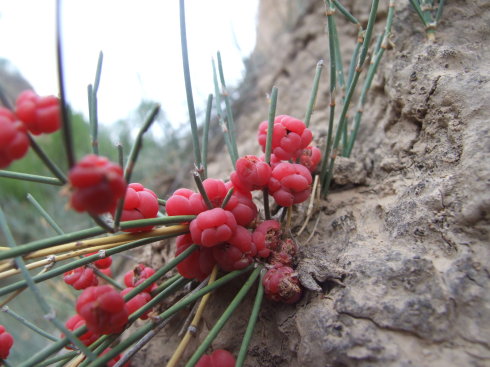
97,185
138,301
281,285
14,142
76,322
103,309
310,158
138,275
80,278
284,254
219,358
103,263
139,203
199,264
274,161
252,173
241,206
6,342
212,227
40,114
289,137
184,202
290,184
237,253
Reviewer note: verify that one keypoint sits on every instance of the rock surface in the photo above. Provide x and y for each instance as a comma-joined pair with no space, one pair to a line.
397,257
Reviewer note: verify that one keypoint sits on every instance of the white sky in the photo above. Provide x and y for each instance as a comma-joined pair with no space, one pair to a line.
141,45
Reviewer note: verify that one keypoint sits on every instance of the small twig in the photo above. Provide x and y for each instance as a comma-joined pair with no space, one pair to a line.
32,178
27,323
202,190
205,136
314,92
311,205
44,214
227,197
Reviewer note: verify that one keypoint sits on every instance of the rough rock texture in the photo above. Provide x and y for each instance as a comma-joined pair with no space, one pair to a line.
397,258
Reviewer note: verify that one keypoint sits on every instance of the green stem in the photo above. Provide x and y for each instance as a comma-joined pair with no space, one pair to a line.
227,197
314,92
63,357
346,13
107,278
251,325
55,170
229,113
270,124
29,324
65,114
219,114
32,178
77,263
120,154
45,214
188,86
92,96
440,7
416,6
139,333
201,189
224,318
205,136
267,210
133,157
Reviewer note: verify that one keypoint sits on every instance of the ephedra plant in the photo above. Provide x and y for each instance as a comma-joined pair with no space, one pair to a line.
226,227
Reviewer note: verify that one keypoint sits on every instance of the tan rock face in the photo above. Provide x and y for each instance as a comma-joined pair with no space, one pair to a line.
397,258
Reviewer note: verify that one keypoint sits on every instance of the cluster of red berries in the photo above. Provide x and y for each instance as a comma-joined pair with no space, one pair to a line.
229,235
103,309
32,113
6,342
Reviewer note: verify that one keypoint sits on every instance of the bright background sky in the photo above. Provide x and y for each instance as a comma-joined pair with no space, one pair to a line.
141,45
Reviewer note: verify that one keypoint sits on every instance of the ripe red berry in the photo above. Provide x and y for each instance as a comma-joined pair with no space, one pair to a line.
252,173
14,142
289,137
282,285
199,264
184,202
6,342
274,161
241,206
212,227
138,301
138,275
40,114
219,358
103,309
103,263
97,185
237,253
139,203
290,184
267,237
80,278
76,322
310,158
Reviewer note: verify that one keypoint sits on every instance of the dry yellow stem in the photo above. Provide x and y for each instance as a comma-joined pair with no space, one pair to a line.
193,326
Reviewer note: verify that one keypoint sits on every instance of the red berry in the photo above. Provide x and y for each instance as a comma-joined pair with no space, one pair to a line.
114,360
138,275
237,253
290,184
280,284
6,342
76,322
138,301
103,309
310,158
80,278
184,202
267,237
252,173
97,185
284,254
241,206
139,203
14,142
40,114
103,263
274,161
219,358
212,227
289,137
199,264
